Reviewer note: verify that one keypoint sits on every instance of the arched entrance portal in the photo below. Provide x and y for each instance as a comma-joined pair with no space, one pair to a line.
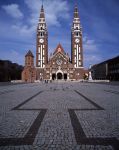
65,76
59,76
53,76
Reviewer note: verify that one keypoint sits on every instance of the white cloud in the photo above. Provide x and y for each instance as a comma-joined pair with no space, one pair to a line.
24,30
91,59
91,51
13,10
53,10
89,44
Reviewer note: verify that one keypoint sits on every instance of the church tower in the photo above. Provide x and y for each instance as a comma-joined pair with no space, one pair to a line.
76,41
29,59
42,41
29,71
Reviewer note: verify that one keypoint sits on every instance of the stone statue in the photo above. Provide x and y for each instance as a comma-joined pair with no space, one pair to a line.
90,75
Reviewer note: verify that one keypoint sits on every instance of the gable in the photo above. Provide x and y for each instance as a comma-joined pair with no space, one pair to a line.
60,55
59,59
59,48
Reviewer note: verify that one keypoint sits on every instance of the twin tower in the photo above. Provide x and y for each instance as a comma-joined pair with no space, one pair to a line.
58,66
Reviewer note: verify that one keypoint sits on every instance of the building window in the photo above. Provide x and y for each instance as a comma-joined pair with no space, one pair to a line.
79,57
39,49
79,63
39,63
38,57
79,49
77,34
41,34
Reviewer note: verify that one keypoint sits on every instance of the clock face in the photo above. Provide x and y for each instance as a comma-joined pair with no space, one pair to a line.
59,61
77,40
41,40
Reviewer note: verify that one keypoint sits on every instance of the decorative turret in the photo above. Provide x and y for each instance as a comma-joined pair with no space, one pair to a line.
29,59
29,72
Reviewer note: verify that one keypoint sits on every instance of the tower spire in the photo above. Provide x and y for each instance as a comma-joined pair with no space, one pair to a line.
76,38
42,14
42,41
76,13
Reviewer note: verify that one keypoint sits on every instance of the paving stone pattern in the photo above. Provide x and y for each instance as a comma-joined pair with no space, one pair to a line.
59,116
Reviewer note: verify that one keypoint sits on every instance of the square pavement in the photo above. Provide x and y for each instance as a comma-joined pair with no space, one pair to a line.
59,116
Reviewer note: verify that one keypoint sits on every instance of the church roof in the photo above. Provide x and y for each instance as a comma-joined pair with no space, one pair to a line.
29,53
59,49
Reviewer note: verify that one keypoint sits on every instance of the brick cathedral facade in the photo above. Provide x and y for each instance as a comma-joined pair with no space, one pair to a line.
58,66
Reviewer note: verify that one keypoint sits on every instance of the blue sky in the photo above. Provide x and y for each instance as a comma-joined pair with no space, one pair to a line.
99,20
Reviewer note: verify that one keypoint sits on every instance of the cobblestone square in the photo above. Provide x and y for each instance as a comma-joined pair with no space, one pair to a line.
59,115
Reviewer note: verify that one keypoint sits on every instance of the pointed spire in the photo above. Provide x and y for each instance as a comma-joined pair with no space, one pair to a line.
42,9
42,14
29,53
76,13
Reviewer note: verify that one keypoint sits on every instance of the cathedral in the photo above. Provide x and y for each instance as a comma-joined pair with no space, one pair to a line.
59,65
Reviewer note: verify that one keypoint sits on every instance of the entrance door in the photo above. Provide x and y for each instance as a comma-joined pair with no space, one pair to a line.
65,76
53,76
59,76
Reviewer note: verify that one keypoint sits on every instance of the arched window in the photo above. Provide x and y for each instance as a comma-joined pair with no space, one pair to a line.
77,34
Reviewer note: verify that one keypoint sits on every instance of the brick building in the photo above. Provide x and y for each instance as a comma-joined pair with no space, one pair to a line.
9,71
29,72
108,69
58,66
